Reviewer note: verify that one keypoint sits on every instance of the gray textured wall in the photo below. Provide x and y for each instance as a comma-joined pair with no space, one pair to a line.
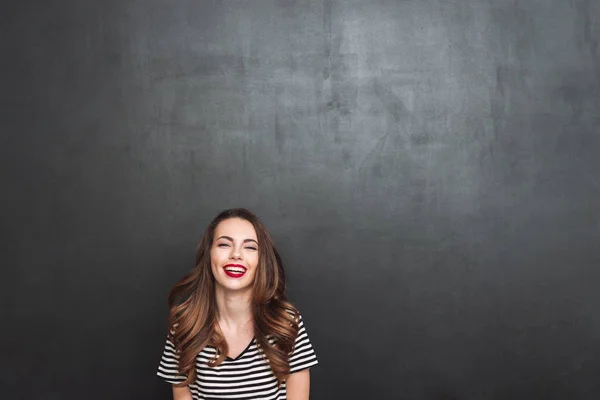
429,169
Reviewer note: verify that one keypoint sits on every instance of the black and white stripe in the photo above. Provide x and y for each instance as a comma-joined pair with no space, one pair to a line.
246,377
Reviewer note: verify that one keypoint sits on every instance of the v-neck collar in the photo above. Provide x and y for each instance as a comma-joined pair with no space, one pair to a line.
242,353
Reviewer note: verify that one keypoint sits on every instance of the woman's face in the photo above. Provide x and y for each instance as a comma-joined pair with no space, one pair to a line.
234,254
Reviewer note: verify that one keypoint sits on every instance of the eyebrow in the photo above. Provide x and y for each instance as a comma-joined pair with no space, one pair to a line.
231,239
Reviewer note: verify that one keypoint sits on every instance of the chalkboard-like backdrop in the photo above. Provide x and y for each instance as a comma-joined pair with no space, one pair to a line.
430,171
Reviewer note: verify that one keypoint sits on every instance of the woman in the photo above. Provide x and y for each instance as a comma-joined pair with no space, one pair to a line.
233,334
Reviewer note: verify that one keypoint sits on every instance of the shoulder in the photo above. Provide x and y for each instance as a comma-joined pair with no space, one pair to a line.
295,320
293,313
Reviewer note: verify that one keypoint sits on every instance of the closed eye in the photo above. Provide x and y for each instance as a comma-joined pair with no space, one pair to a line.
251,248
223,245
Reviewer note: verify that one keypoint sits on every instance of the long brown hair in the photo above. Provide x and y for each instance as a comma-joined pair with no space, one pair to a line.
193,309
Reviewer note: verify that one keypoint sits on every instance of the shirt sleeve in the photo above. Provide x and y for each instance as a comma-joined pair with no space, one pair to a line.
169,364
303,356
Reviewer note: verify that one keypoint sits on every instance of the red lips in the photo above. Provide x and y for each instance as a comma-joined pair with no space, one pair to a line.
235,270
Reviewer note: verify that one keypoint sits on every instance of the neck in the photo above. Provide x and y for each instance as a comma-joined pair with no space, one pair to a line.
234,308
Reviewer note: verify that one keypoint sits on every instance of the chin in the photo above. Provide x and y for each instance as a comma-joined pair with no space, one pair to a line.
236,288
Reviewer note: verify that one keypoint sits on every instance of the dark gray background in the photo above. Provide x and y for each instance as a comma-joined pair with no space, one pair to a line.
430,171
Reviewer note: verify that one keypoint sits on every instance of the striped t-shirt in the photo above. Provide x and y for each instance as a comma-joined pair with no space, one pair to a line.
248,376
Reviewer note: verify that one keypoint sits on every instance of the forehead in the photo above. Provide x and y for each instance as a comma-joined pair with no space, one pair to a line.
236,228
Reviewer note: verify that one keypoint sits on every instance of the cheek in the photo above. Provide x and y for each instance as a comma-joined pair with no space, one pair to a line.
252,257
254,261
214,258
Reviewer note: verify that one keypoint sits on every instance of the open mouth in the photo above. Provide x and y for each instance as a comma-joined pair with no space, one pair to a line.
235,271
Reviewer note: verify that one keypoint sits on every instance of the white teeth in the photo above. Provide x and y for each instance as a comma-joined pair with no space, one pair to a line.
235,270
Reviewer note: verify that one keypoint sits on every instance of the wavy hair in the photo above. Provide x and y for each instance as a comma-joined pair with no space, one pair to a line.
193,309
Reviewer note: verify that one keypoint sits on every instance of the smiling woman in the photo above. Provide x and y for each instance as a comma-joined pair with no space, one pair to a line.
233,334
237,256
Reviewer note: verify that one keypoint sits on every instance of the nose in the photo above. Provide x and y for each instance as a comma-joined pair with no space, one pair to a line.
235,253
